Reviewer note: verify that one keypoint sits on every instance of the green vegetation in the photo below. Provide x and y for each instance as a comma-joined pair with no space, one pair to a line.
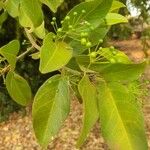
71,55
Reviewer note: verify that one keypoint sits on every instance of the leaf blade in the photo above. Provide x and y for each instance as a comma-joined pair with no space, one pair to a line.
121,118
50,108
54,55
53,5
33,11
12,6
88,94
18,88
10,51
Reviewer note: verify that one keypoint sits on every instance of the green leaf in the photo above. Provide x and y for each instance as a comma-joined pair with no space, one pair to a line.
50,108
12,6
52,4
95,12
114,18
33,11
112,71
24,20
35,55
40,31
54,55
18,89
88,93
121,117
72,64
10,52
116,5
1,5
119,72
116,55
3,17
94,37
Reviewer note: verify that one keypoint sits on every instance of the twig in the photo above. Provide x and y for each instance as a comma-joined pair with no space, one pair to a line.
34,45
26,52
4,70
32,41
7,68
72,71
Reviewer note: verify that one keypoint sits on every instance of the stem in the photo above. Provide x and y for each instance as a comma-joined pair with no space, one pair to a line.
6,69
26,52
32,41
72,71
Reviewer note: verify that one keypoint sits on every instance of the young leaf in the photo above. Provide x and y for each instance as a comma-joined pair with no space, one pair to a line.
88,93
114,18
35,55
116,5
10,52
52,4
33,11
50,108
12,6
54,55
121,118
18,89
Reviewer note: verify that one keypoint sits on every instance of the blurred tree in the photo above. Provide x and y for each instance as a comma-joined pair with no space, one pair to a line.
144,8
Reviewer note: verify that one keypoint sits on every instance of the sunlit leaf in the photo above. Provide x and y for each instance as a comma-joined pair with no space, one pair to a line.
52,4
121,118
10,51
116,55
54,55
35,55
116,5
40,31
33,11
114,18
12,6
119,72
112,71
50,108
24,20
